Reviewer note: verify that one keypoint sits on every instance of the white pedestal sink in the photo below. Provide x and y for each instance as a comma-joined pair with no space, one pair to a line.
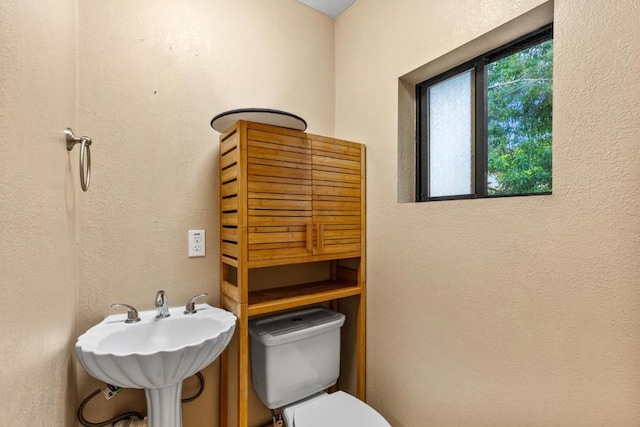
156,354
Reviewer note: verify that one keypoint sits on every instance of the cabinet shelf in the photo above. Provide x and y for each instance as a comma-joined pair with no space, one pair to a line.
271,300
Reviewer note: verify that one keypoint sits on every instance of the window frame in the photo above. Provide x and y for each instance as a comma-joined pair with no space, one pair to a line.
479,125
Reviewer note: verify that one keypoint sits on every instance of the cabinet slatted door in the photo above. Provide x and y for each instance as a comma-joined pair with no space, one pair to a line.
337,195
279,196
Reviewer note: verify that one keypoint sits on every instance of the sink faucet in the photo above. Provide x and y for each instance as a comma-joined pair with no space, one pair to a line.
162,305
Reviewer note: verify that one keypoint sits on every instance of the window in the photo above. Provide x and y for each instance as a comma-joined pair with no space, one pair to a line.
484,127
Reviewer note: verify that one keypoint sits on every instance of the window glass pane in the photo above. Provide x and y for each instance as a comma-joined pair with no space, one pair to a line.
519,97
450,138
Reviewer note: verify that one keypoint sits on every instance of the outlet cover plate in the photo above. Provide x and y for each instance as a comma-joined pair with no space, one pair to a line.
196,243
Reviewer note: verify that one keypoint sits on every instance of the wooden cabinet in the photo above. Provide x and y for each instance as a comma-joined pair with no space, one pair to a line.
302,196
288,197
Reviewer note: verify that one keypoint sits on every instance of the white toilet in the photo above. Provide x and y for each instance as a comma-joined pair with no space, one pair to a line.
295,357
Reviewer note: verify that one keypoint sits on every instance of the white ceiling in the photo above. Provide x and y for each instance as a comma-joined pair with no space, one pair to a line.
333,8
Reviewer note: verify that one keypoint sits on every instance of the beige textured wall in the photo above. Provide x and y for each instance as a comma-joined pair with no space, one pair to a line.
38,202
515,311
152,74
520,311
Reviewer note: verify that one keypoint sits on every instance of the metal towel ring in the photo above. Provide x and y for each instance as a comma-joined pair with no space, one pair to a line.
85,156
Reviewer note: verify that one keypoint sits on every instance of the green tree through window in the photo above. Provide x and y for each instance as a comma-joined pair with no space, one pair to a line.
519,94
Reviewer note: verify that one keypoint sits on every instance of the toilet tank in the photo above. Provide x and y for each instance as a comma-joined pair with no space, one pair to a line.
295,355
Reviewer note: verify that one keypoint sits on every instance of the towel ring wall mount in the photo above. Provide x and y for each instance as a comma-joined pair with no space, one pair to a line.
85,156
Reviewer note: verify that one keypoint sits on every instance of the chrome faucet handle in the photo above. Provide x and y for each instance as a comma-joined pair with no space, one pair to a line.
190,308
162,305
132,313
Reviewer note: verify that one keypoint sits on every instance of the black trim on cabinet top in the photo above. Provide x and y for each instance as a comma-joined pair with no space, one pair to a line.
300,123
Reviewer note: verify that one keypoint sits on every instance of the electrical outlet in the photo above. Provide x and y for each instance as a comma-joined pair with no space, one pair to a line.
196,243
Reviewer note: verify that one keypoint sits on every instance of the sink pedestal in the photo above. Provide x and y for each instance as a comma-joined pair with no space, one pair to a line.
164,406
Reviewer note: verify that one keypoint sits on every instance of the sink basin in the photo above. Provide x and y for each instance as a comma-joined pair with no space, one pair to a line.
156,354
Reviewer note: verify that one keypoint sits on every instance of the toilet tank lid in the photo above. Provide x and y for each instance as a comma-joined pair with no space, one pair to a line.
294,326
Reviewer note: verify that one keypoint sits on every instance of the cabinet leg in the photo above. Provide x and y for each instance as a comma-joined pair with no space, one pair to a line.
243,367
224,388
361,347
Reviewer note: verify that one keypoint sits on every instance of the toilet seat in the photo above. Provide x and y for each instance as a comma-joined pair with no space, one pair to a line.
338,409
